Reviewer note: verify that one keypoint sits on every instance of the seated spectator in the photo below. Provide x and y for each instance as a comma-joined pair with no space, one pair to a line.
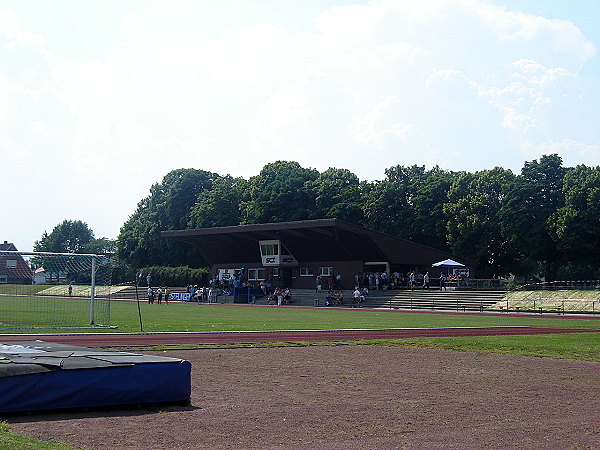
338,298
329,298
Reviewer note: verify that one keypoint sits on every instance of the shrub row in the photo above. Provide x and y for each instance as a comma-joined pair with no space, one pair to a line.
175,276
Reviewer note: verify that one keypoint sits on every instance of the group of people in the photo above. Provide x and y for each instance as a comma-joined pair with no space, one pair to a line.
158,294
204,293
334,298
279,297
359,296
412,279
333,283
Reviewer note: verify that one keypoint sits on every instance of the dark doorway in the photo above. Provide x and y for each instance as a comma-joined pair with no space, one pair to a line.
285,277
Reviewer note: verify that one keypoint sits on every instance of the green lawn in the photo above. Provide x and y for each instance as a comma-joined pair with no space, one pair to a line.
195,317
202,317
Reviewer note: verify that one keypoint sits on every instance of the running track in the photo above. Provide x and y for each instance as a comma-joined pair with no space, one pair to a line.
249,337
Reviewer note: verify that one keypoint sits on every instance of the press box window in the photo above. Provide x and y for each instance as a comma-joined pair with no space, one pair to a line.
275,271
269,249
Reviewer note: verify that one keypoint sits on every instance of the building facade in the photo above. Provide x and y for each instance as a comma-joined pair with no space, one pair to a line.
294,254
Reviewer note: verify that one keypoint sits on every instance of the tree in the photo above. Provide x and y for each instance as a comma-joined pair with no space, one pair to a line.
388,203
576,225
69,236
338,195
280,193
220,206
168,207
429,220
473,229
409,204
531,199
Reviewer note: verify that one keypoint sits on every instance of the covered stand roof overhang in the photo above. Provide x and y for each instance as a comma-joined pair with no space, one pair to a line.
308,240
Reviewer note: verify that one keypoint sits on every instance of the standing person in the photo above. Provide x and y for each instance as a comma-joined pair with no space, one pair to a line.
167,293
279,296
411,280
148,279
356,297
442,282
426,280
319,285
150,294
159,293
71,289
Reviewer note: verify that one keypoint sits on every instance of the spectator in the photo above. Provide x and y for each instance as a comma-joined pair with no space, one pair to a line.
426,280
150,294
442,282
356,298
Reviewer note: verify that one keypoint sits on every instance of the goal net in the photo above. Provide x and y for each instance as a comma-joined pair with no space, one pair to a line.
54,290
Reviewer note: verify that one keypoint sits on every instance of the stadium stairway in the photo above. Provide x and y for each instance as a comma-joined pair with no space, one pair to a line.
428,299
420,299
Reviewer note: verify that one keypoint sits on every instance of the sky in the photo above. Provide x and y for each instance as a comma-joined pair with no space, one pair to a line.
99,99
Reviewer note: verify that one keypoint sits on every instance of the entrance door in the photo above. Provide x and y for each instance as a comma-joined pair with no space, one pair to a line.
285,277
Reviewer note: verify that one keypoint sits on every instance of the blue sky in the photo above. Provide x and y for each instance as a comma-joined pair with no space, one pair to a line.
99,99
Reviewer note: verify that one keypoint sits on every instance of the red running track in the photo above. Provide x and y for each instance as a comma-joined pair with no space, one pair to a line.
249,337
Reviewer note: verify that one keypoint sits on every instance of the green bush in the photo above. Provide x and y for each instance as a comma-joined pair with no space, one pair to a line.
175,276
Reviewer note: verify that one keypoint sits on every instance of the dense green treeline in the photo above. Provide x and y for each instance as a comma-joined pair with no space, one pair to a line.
543,222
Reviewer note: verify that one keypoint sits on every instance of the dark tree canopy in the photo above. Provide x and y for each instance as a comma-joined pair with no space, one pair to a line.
540,223
531,199
280,193
69,236
168,207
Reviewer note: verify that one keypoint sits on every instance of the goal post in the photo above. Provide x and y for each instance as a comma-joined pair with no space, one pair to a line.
54,290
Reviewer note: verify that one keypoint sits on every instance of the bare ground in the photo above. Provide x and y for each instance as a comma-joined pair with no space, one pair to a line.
353,397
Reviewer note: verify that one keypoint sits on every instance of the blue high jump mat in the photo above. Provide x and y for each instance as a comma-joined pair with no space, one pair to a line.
43,376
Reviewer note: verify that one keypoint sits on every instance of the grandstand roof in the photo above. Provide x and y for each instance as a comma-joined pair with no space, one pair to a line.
308,240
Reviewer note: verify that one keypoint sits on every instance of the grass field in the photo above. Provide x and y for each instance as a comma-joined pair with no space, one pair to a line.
197,317
201,317
189,317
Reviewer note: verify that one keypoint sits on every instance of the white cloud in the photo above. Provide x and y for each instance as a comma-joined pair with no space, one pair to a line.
461,83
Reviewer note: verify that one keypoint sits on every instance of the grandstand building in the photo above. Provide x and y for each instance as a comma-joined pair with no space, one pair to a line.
293,254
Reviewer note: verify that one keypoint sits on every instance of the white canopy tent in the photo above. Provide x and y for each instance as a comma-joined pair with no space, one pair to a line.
449,264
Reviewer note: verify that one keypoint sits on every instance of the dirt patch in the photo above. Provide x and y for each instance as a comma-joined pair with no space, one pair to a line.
353,397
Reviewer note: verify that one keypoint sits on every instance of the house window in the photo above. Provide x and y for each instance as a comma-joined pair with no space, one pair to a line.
325,271
275,271
305,272
11,263
3,279
256,274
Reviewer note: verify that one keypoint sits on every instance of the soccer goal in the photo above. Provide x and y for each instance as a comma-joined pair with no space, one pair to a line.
54,290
